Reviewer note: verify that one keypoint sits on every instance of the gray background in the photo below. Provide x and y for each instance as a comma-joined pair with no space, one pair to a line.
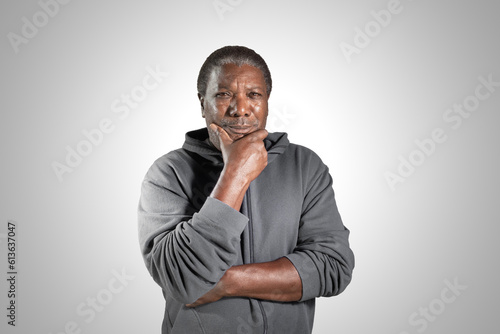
359,113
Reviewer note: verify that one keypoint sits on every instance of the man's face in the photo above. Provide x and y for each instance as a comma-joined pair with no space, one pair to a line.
236,100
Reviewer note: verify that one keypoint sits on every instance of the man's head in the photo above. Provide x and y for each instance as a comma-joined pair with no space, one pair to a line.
234,85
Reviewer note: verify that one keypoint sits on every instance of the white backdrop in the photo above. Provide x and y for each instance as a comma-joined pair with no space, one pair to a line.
399,98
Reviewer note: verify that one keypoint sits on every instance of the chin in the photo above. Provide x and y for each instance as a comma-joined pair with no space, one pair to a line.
237,136
214,139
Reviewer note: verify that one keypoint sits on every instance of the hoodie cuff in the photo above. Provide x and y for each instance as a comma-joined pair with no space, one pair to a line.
224,215
308,273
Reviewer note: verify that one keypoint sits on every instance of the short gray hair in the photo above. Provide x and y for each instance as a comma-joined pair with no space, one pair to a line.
238,55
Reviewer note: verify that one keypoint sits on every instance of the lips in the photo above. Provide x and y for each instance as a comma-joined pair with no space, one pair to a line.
240,130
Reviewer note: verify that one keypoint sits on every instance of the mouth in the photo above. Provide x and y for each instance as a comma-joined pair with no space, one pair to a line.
240,130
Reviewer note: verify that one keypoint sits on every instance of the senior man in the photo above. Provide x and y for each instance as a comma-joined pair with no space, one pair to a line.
240,227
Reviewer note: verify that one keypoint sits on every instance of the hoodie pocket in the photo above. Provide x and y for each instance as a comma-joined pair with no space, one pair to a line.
187,321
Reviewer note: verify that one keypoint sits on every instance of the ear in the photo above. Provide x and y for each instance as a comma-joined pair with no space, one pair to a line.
202,100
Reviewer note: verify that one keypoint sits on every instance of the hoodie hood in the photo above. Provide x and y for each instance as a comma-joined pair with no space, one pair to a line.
197,142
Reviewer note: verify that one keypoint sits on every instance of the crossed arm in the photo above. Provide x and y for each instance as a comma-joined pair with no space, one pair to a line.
276,280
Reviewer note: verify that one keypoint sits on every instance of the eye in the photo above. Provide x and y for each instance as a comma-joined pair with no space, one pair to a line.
255,94
222,95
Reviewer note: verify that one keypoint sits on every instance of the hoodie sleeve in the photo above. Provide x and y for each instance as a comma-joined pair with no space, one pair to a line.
186,252
322,257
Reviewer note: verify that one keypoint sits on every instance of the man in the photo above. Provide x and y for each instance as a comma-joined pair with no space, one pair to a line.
240,227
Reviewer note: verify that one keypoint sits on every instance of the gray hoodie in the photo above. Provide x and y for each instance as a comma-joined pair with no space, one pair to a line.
188,239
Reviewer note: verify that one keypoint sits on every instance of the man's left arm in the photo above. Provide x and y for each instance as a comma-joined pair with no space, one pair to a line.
323,257
321,264
276,280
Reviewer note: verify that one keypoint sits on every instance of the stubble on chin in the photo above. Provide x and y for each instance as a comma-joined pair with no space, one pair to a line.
213,138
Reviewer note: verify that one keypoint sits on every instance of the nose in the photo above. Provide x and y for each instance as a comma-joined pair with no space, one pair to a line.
239,106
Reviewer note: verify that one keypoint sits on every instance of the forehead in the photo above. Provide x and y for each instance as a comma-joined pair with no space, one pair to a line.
232,74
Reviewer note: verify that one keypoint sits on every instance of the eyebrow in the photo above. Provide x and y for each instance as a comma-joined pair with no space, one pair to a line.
248,88
255,87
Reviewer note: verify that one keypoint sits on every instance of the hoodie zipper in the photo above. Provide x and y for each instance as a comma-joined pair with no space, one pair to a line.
250,231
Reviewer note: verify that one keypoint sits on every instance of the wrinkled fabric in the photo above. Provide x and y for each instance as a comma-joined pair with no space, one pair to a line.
188,239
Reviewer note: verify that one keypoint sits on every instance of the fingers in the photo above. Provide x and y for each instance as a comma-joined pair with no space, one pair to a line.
223,135
260,134
199,301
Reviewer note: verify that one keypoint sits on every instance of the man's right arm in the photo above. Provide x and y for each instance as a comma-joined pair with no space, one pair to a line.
244,160
188,252
186,249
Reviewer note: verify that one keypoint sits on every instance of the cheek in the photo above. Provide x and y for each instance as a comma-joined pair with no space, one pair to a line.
217,110
263,115
261,109
210,113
